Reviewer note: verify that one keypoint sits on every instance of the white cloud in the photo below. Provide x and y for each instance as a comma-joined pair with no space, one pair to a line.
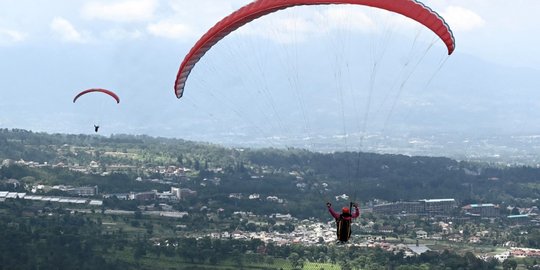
205,11
281,30
8,36
168,29
122,34
292,26
278,30
66,30
126,11
190,20
339,17
462,19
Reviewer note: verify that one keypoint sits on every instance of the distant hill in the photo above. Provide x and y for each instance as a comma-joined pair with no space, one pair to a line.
469,99
299,176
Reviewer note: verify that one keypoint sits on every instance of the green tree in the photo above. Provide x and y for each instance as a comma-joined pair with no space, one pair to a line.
294,259
509,264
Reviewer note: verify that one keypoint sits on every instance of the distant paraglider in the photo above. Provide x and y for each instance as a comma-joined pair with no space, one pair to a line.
97,90
259,8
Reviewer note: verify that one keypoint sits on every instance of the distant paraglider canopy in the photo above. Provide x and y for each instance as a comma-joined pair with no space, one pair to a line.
98,90
409,8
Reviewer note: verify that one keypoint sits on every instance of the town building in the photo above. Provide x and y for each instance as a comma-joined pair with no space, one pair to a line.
439,206
421,207
83,191
143,196
399,208
482,210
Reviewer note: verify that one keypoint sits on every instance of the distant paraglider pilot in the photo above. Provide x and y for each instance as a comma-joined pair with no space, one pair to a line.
343,221
101,91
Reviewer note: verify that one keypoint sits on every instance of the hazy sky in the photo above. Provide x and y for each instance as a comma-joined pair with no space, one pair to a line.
501,31
49,49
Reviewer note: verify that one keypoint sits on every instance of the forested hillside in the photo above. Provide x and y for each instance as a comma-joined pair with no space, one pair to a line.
294,174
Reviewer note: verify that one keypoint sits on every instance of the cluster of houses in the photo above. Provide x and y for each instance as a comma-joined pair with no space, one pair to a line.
95,167
256,196
514,252
525,252
174,194
310,233
305,232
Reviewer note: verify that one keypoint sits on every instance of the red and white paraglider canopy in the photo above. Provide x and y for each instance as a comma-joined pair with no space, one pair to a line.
409,8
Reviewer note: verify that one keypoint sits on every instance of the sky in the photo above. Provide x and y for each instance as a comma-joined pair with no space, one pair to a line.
52,49
489,29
